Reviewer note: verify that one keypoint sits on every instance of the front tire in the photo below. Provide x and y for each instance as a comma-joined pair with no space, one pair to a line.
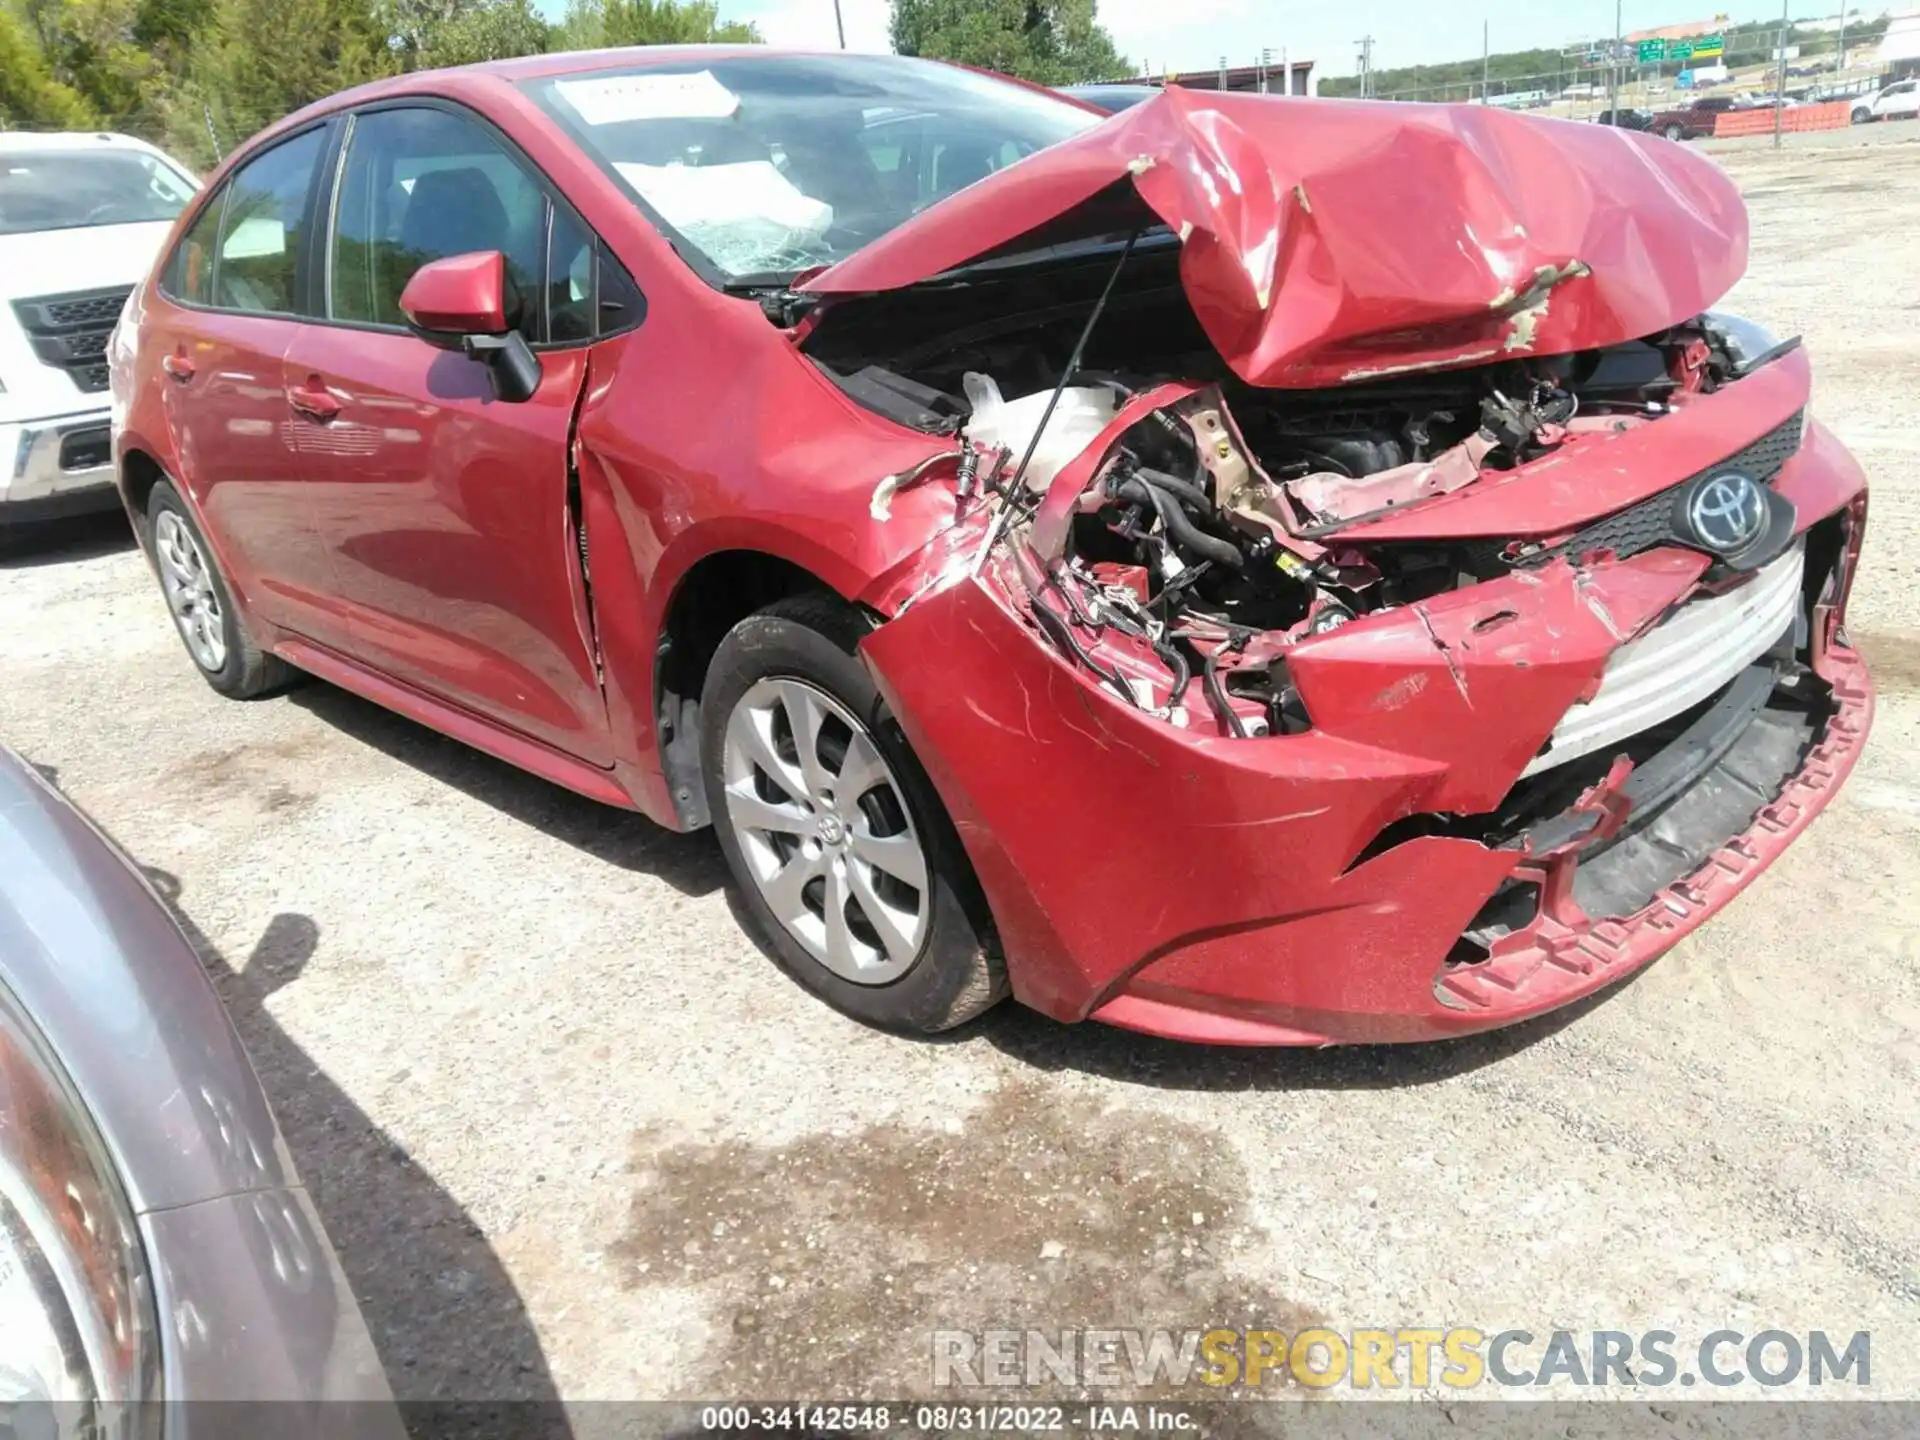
1675,132
845,860
201,605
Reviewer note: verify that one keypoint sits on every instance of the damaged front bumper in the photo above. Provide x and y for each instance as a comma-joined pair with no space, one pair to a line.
1402,870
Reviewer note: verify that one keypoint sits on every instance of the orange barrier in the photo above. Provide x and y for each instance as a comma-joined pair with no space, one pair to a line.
1832,115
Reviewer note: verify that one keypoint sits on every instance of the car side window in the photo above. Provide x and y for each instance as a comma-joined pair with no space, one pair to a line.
421,184
570,280
256,259
190,275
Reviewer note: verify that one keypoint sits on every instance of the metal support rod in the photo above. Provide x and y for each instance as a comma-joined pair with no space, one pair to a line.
1780,75
839,24
1613,66
1486,62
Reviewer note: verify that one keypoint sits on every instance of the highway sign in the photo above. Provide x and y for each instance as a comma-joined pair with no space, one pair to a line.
1652,52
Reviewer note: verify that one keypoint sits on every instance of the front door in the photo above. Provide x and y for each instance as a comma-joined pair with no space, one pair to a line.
445,512
227,314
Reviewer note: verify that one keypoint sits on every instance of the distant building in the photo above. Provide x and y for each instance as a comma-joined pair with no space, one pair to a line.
1252,78
1900,46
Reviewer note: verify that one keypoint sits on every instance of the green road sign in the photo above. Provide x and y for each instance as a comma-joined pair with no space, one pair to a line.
1709,47
1652,52
1680,50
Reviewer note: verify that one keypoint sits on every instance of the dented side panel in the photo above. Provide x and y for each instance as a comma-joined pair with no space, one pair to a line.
1332,242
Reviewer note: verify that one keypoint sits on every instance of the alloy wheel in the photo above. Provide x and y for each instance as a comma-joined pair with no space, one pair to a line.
187,581
823,825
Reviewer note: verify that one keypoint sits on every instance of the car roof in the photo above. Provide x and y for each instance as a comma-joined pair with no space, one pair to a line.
471,81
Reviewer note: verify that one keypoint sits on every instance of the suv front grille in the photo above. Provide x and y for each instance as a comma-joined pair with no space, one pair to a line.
70,332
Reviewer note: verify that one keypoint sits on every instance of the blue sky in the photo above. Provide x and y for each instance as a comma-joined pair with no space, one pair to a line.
1193,34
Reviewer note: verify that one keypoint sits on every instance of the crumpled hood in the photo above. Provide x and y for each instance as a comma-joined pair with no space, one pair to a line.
1334,241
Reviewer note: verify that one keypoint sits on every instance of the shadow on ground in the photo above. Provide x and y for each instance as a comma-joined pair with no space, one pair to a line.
1115,1054
445,1316
692,864
56,542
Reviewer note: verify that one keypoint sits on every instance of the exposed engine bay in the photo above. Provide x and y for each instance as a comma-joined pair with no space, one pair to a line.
1228,522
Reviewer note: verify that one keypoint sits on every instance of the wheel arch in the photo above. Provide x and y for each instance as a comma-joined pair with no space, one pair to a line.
714,593
140,471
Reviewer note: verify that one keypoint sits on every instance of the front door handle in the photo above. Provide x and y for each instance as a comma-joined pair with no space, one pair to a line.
314,401
178,366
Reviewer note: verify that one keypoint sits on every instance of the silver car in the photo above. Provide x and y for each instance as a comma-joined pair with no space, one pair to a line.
155,1241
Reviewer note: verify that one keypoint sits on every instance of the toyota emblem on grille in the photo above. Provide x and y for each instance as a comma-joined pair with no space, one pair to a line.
1727,513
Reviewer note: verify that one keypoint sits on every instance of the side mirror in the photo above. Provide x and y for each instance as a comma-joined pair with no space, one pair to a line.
461,303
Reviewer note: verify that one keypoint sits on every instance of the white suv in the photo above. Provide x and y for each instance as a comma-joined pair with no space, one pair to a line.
81,218
1900,100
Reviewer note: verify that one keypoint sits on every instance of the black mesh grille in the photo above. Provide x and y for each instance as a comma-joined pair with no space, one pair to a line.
70,332
1643,526
103,308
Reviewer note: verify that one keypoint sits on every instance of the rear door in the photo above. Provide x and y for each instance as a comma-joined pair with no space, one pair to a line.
448,515
229,307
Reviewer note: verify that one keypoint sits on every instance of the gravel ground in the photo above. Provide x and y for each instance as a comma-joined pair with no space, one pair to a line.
573,1134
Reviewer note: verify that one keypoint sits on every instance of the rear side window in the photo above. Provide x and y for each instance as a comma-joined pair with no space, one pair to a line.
257,258
420,185
190,277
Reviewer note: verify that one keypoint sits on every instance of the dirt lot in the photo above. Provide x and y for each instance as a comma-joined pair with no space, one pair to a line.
573,1133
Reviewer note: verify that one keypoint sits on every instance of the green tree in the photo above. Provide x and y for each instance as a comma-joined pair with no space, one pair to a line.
1051,42
94,48
671,22
492,30
261,59
29,94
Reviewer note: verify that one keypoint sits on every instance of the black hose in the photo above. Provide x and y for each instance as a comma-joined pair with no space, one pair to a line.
1186,491
1223,552
1176,662
1062,634
1217,697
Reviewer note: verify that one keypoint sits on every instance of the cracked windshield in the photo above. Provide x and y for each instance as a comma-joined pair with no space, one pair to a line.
771,166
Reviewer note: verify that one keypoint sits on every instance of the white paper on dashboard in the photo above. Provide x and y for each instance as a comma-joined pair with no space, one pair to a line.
610,99
691,197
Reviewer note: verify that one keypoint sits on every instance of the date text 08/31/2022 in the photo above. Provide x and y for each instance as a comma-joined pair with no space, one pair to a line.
948,1418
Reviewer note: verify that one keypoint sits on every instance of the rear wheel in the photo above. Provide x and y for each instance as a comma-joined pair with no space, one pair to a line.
202,607
845,859
1863,116
1675,132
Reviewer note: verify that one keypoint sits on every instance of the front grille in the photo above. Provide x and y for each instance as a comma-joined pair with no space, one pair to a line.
70,332
1648,524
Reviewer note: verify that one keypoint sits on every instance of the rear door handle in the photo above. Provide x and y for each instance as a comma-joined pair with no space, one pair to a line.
314,401
178,366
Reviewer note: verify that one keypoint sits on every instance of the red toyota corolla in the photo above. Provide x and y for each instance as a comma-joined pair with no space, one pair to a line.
1253,570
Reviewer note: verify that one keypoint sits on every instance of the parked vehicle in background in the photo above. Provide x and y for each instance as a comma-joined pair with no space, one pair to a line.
1123,561
1898,101
1112,98
81,217
1625,118
155,1242
1692,120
